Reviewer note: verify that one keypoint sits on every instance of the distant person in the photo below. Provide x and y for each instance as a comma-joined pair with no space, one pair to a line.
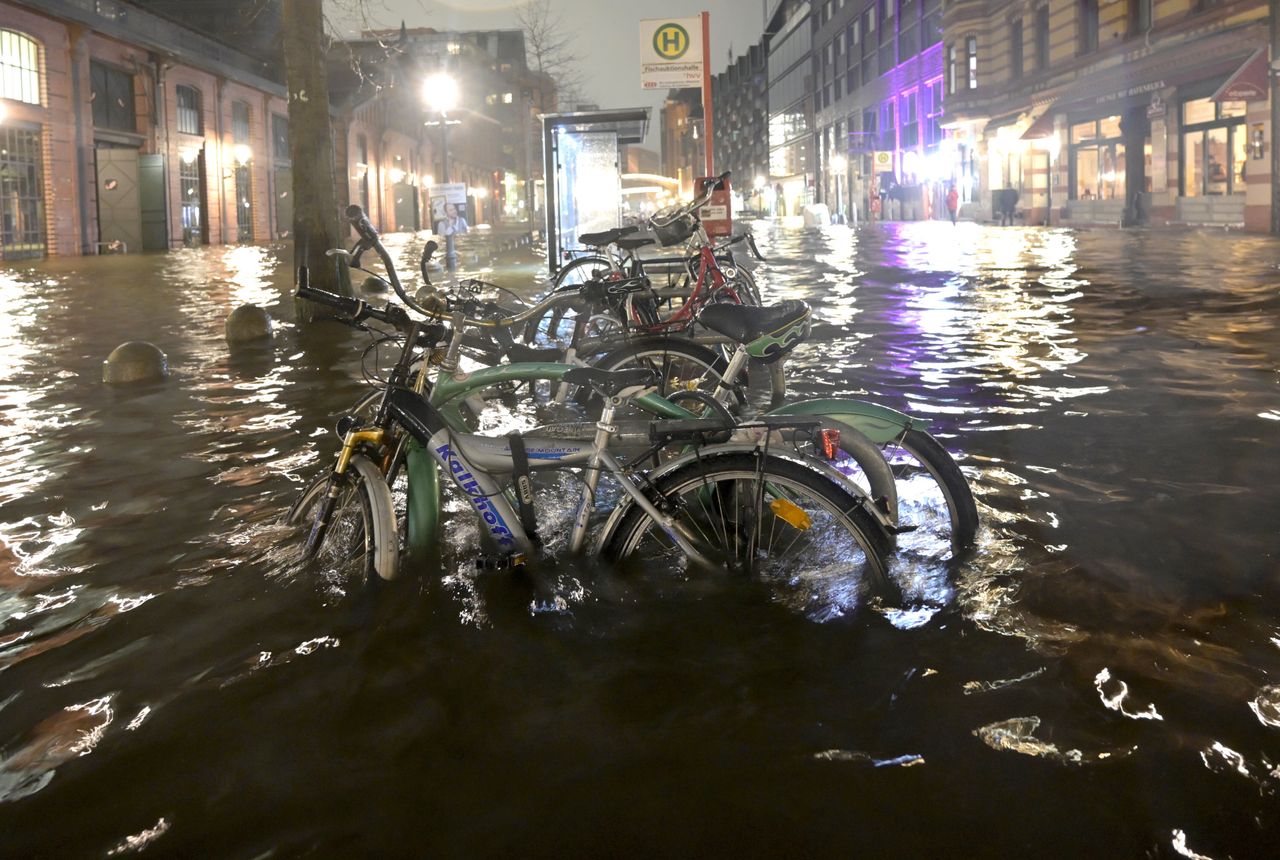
453,223
953,203
781,201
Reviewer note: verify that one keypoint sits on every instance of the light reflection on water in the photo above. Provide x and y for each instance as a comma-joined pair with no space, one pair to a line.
1111,397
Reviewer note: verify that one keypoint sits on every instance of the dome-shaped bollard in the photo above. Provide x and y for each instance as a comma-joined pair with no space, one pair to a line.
135,361
373,285
248,323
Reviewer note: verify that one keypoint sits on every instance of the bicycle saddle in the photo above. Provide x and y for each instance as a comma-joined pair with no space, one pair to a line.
610,382
769,333
607,237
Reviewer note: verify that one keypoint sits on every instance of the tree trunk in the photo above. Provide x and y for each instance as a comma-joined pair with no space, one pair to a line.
315,205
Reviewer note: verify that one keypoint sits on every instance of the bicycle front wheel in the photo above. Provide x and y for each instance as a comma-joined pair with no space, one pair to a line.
771,517
356,537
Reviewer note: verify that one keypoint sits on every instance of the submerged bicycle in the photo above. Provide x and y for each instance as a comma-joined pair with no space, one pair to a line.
743,506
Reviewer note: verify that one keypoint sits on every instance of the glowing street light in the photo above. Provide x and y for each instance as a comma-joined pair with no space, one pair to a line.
440,92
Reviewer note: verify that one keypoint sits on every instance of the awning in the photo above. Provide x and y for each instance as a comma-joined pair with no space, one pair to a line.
1042,127
1249,83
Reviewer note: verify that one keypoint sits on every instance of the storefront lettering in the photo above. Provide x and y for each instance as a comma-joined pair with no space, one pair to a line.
1152,87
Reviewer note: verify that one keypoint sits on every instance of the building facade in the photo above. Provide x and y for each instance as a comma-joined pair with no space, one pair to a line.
112,140
740,107
878,105
683,152
792,162
1130,112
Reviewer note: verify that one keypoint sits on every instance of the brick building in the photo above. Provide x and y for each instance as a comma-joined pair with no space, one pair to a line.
123,128
114,138
1136,111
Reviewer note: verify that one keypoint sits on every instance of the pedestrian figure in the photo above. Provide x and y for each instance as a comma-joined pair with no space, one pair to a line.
953,203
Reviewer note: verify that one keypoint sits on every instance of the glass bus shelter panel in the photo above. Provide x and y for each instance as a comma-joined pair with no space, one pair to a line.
588,184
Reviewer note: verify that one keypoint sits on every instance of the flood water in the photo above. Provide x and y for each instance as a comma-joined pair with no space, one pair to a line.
1101,678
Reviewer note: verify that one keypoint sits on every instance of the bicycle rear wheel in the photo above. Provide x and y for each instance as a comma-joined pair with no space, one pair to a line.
787,525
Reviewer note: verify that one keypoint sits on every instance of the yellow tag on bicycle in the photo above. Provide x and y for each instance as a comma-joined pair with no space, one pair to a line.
789,512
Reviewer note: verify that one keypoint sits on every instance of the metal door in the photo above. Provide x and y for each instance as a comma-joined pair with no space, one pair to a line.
119,200
155,224
406,207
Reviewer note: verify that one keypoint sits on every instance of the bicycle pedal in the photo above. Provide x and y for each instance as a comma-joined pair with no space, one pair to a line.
900,530
502,562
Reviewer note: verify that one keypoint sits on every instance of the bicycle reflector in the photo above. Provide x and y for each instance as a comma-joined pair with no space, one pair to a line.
829,442
791,514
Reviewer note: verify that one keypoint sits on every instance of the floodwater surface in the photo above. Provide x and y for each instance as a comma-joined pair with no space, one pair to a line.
1100,678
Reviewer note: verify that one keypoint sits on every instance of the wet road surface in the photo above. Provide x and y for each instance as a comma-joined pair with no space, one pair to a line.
1102,677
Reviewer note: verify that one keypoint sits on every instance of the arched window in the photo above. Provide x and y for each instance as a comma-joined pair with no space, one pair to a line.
19,67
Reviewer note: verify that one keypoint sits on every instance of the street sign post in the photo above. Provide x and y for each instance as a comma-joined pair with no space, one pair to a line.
671,54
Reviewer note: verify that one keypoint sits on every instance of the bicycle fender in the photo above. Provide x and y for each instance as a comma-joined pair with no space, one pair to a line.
424,501
878,423
385,536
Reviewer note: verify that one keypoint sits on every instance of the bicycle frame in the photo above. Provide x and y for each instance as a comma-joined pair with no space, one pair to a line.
471,461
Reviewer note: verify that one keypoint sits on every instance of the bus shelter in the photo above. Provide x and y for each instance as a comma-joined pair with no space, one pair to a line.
582,163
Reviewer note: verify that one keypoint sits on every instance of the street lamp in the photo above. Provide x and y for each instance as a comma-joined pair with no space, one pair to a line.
838,166
440,92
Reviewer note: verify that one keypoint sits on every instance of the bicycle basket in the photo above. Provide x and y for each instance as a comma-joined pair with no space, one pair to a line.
673,225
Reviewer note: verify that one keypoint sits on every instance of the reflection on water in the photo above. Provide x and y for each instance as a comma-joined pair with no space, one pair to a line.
1111,396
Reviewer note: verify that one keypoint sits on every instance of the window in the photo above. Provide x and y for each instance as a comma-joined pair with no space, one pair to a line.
930,23
1215,148
1042,38
240,122
280,137
932,111
22,213
1088,22
908,29
868,46
888,129
1015,49
189,119
870,137
888,44
1139,17
191,206
910,121
971,62
19,68
1097,160
111,91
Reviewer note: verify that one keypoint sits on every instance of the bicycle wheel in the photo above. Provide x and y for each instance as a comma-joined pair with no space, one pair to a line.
557,322
680,365
774,518
358,537
744,284
933,496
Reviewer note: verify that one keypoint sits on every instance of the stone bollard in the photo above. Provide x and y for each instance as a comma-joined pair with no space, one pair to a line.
248,323
135,361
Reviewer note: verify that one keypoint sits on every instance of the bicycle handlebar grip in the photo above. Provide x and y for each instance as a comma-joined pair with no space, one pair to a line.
349,306
719,183
361,222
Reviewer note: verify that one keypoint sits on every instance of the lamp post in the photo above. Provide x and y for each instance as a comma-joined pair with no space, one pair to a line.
838,166
441,95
